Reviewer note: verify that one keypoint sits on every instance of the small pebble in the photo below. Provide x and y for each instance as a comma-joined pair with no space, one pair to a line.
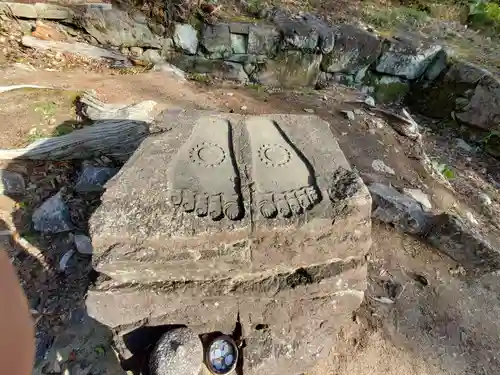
485,199
309,110
471,218
243,108
229,93
370,101
83,244
380,166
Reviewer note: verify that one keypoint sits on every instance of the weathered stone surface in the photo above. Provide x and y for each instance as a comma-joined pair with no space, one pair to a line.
178,352
437,66
483,110
93,178
305,32
239,43
392,207
53,12
385,88
216,40
216,68
290,69
11,183
186,38
464,244
83,244
263,40
53,216
117,28
406,58
462,72
354,49
237,223
19,10
153,56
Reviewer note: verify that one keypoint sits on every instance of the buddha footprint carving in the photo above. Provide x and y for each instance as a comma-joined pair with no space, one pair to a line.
283,181
203,176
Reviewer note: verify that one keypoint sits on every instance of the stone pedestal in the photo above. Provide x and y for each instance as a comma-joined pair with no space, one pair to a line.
228,221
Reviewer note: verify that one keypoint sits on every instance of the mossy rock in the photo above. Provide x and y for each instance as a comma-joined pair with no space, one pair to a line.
394,92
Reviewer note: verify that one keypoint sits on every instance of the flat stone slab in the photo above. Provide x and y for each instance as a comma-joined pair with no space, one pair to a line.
227,218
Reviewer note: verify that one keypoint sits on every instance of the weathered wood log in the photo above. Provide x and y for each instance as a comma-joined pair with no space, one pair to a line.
117,139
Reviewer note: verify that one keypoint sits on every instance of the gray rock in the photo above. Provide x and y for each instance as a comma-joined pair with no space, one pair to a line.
483,110
93,179
173,257
168,47
420,197
53,216
178,352
43,342
464,73
263,40
216,40
115,27
11,183
19,10
305,32
484,199
436,67
53,12
238,43
186,38
170,69
392,207
406,58
242,28
83,244
354,50
462,243
290,69
380,166
153,56
215,68
349,115
464,146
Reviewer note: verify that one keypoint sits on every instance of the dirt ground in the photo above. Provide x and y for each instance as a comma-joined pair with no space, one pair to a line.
443,321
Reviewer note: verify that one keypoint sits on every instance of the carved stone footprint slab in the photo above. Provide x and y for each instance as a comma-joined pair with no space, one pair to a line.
203,174
284,183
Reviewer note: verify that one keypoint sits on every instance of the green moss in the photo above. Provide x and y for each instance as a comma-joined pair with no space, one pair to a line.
391,92
388,18
199,77
485,16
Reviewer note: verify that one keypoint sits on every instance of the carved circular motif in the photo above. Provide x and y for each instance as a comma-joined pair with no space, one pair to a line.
207,154
274,155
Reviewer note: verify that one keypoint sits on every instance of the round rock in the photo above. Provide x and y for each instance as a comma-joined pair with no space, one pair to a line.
178,352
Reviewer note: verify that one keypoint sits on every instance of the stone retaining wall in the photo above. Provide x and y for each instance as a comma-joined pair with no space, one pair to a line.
302,50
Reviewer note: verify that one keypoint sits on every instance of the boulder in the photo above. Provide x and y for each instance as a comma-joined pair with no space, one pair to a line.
483,110
216,68
354,50
305,32
392,207
290,69
385,88
406,58
464,73
263,40
437,66
186,38
216,40
115,27
153,56
230,221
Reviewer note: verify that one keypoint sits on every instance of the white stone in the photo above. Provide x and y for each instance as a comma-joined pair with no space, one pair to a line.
380,166
420,197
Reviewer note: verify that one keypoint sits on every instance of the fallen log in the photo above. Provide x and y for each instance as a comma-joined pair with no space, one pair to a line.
117,139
